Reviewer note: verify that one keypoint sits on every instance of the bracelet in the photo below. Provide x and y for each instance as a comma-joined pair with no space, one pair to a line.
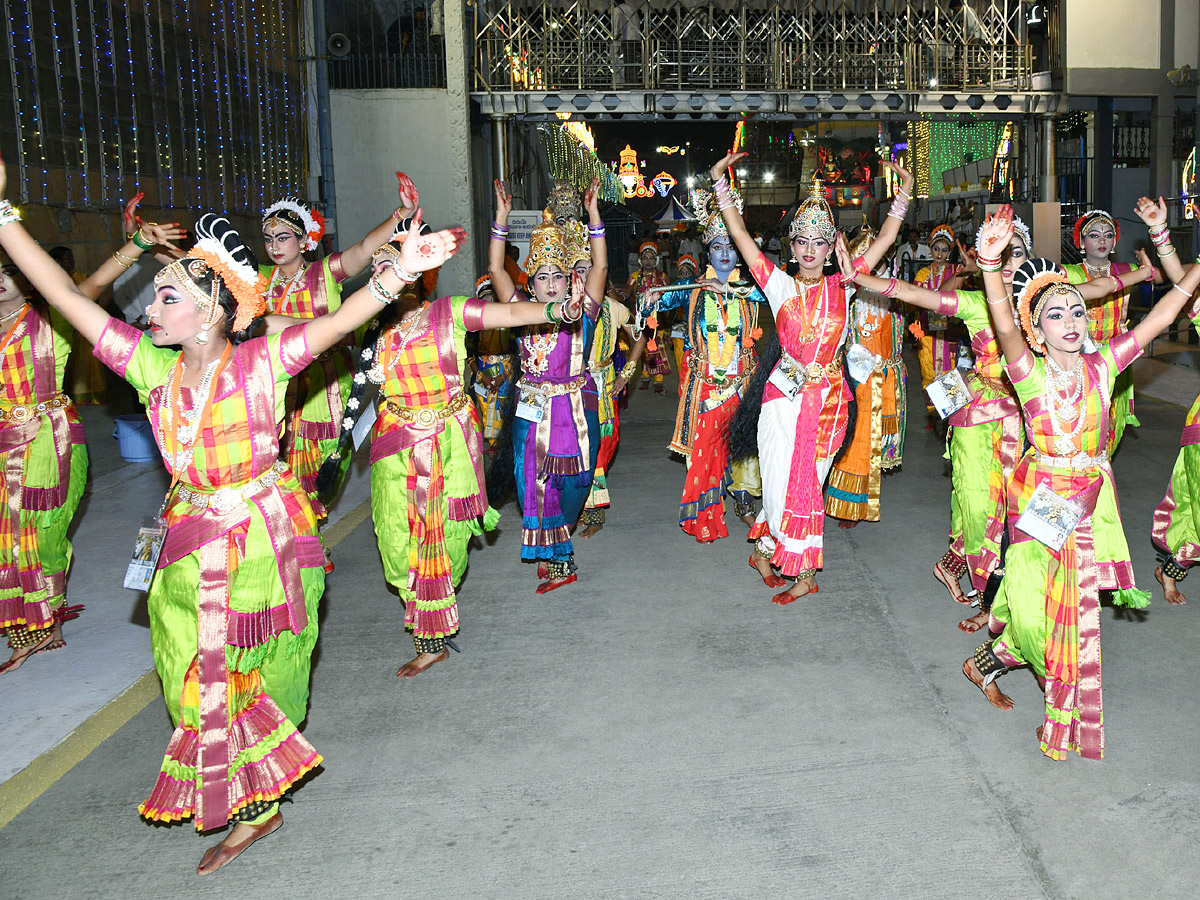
1170,251
596,231
140,240
398,214
890,290
1120,284
9,213
403,274
628,369
1176,287
898,210
497,228
379,292
550,317
1157,229
123,260
565,317
992,302
726,197
860,265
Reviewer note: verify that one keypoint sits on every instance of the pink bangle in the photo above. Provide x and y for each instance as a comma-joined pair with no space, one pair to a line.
1120,284
860,265
890,290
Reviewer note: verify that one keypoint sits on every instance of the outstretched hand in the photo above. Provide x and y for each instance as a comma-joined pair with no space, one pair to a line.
421,252
845,263
1150,212
725,162
1143,259
163,235
409,196
996,232
130,219
573,306
504,203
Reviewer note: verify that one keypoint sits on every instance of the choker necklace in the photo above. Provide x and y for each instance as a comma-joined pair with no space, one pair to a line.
10,315
809,281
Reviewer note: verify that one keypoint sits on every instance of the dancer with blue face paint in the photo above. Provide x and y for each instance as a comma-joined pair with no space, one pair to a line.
721,326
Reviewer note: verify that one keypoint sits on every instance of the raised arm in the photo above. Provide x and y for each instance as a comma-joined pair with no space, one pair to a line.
994,237
894,219
597,278
1155,217
52,282
1167,309
358,256
502,283
399,265
515,315
148,237
742,239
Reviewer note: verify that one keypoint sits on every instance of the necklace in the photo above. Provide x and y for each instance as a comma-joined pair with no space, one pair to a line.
189,425
289,287
1063,409
724,325
809,333
15,312
405,331
807,280
12,331
538,342
1095,272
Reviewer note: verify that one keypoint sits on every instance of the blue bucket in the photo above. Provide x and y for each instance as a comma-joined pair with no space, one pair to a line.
135,439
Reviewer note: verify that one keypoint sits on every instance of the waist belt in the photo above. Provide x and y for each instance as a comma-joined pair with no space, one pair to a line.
1079,461
695,363
23,412
493,358
811,373
548,389
224,499
601,366
427,415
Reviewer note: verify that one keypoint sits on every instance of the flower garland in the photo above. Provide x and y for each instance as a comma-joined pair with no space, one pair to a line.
721,350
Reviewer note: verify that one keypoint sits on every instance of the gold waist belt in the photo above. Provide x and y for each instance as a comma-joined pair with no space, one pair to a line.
696,363
553,390
23,412
813,372
427,415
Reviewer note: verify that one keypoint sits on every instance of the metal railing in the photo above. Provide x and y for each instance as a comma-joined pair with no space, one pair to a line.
803,45
395,44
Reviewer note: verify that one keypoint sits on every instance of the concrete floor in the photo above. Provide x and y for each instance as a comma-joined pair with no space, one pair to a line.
661,729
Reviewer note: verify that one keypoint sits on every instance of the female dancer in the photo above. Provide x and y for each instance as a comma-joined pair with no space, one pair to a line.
1176,532
43,457
302,290
804,405
937,354
427,487
655,365
1049,606
985,435
1096,234
877,446
556,426
721,316
233,605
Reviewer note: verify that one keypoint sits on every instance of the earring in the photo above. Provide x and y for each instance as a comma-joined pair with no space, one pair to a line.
201,337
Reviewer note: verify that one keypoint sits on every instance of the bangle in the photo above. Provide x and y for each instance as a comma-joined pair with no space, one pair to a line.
1120,284
1157,229
403,274
398,214
497,228
596,231
379,292
992,302
726,196
550,317
123,260
860,265
1176,287
628,369
890,290
566,318
898,209
1170,251
9,213
140,240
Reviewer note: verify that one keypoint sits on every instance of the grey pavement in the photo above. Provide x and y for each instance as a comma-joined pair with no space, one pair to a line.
661,729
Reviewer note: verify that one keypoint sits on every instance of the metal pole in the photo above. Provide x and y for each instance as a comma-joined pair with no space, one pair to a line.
325,127
1047,192
500,148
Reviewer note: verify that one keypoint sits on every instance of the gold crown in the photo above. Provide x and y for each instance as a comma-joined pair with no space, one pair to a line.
547,246
814,214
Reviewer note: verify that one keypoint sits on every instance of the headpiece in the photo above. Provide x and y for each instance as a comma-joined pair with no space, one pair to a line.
294,215
814,214
687,259
219,250
564,201
861,241
712,223
1038,279
547,246
579,245
484,284
1019,228
645,245
1094,215
942,233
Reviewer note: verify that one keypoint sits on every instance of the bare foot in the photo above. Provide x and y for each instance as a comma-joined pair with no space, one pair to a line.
422,662
973,624
801,588
847,523
763,567
1170,588
589,531
21,654
995,696
950,582
239,839
749,518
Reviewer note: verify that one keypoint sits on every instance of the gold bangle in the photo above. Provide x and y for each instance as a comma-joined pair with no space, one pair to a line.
122,259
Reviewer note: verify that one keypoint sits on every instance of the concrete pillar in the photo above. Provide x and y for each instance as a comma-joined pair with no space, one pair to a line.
1047,181
1102,155
1162,143
459,272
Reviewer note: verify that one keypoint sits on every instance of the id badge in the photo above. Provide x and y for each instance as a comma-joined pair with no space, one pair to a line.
481,390
731,369
1049,517
949,393
146,550
531,406
786,386
938,322
362,428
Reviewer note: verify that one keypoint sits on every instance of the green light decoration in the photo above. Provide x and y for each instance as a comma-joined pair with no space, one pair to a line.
571,160
947,145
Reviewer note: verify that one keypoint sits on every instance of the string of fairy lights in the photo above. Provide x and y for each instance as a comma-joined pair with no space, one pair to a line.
197,104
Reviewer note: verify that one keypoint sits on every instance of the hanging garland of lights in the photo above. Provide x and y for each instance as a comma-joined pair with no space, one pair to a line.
572,159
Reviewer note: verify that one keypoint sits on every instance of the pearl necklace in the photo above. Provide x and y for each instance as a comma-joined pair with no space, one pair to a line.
185,434
1062,409
13,314
1095,272
289,287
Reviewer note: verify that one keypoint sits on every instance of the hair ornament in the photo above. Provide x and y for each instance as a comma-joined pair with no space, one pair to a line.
943,233
294,214
708,215
547,246
1094,215
814,215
